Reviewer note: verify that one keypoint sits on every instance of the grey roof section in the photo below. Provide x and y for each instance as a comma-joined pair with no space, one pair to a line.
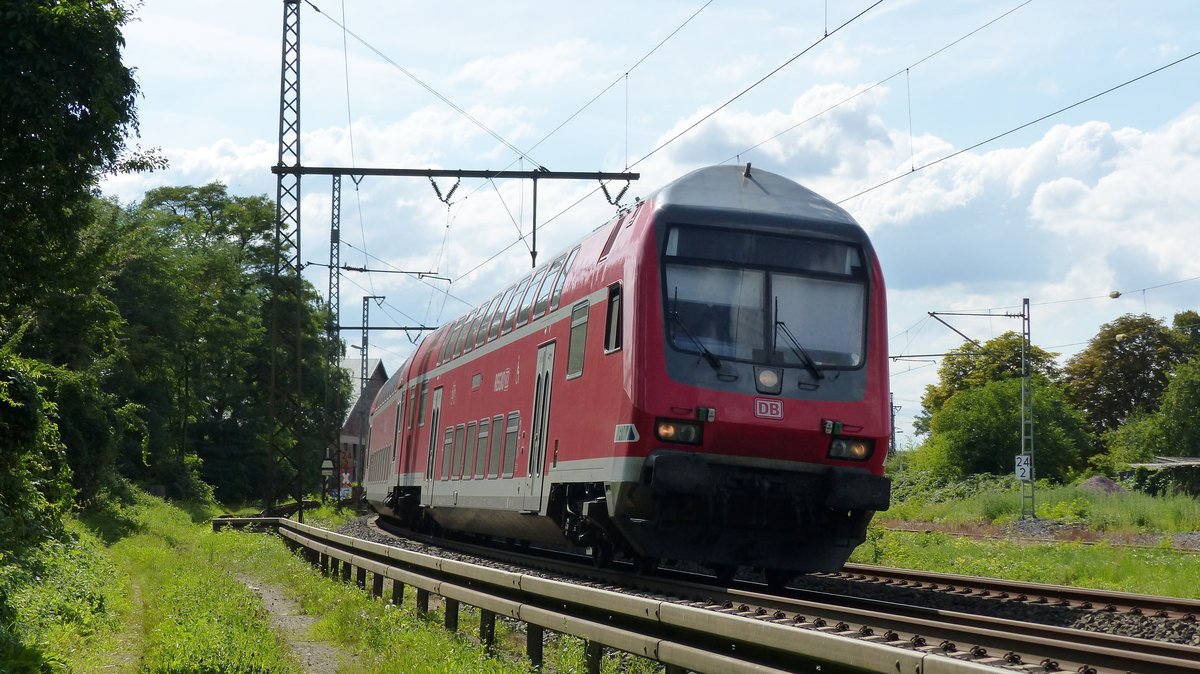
726,187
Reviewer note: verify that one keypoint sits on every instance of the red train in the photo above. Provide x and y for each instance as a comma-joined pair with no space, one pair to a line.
703,378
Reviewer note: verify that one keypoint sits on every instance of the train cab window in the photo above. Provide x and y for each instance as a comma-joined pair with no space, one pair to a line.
527,303
447,451
612,322
762,298
497,446
421,407
578,343
485,321
562,280
510,443
511,316
498,317
481,449
543,296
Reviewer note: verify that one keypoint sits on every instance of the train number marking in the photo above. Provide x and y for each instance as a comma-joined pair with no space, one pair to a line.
767,408
501,382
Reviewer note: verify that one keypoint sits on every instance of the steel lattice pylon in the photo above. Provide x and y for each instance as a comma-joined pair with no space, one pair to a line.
333,421
286,294
1028,506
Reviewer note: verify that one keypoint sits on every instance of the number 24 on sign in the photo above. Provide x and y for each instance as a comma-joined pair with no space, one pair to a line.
1025,467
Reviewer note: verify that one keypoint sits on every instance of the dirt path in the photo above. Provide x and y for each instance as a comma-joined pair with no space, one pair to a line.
295,626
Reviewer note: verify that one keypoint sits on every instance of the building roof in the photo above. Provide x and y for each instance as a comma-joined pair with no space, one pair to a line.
376,376
1161,462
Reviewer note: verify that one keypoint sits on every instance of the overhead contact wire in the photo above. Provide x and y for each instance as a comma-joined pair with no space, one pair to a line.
1022,126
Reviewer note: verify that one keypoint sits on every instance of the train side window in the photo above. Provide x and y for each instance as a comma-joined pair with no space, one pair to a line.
511,317
543,296
469,460
456,338
399,426
612,236
424,395
510,443
412,409
485,321
485,426
456,467
534,286
562,280
612,324
576,347
444,351
498,317
467,339
497,446
447,451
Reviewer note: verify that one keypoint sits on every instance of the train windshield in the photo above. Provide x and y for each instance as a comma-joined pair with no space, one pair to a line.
746,296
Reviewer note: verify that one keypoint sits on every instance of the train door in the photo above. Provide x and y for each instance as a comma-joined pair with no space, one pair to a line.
435,420
540,423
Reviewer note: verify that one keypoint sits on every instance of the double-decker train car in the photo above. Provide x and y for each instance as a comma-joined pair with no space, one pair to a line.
704,378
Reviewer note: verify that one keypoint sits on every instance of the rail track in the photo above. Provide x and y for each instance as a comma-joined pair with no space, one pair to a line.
743,626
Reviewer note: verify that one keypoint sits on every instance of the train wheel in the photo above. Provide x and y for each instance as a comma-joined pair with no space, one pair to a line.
646,566
724,572
602,555
777,579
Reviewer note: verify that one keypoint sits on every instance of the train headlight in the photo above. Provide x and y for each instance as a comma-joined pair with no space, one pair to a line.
674,430
768,380
853,449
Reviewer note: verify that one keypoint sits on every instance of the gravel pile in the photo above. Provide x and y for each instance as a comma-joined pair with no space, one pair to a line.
1141,626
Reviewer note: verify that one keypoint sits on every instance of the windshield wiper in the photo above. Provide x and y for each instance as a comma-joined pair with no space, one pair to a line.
797,348
709,356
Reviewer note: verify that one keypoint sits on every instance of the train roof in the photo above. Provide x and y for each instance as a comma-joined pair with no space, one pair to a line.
729,188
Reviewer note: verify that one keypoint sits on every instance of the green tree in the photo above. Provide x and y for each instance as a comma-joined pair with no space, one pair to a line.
1186,326
1123,370
969,366
68,108
978,430
195,295
1180,411
35,487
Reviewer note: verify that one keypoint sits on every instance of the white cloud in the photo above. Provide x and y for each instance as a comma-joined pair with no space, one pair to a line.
531,68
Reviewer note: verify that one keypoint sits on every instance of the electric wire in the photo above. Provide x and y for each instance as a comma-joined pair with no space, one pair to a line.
1022,126
764,78
436,94
902,71
585,106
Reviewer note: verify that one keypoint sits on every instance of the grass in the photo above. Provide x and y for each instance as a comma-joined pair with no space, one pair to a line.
144,586
1144,570
922,498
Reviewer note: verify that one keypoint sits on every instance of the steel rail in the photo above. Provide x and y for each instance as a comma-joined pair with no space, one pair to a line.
1018,641
684,636
1038,593
838,634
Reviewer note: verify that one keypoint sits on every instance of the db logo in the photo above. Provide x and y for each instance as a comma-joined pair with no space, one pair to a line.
768,409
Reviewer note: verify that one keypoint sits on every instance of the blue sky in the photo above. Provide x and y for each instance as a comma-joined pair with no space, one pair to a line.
1101,197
